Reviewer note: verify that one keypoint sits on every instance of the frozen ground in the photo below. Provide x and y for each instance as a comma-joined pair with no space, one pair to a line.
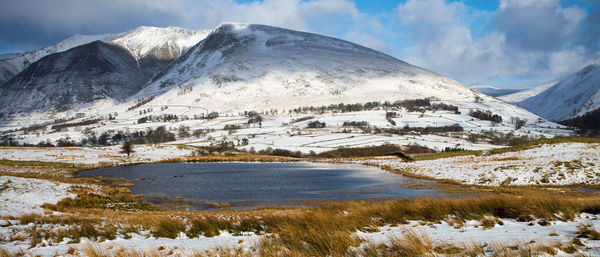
25,195
552,164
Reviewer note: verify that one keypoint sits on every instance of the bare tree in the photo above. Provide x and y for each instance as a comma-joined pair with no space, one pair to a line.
127,148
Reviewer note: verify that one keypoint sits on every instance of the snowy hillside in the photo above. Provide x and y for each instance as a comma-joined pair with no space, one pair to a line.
143,42
11,65
527,93
81,75
575,95
271,72
154,47
492,91
254,67
150,48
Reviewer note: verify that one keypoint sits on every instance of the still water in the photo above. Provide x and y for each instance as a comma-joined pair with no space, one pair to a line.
249,185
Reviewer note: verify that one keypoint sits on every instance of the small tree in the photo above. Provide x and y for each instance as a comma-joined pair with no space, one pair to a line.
127,148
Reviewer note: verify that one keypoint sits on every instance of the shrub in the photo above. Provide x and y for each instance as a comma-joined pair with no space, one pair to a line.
168,227
316,124
485,115
386,149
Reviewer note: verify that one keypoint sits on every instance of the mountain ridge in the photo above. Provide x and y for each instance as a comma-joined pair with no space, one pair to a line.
139,41
574,95
80,75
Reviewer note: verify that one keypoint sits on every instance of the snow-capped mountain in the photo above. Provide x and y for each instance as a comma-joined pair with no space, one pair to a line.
239,68
155,47
575,95
12,64
65,80
491,90
236,68
151,46
248,67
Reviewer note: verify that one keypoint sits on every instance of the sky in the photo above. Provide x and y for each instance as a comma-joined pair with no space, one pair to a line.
504,43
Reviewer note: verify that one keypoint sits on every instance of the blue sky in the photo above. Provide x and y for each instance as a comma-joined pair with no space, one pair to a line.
505,43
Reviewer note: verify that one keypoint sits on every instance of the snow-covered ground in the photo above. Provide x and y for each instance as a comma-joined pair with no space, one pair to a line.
280,130
551,164
25,195
506,232
95,155
509,233
181,246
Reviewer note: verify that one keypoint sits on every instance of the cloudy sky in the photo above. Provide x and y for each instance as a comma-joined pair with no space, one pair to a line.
506,43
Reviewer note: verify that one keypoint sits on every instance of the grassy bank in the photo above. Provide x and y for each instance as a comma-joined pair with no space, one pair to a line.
36,164
326,230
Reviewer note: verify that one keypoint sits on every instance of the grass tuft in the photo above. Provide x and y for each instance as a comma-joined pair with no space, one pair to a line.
168,227
587,231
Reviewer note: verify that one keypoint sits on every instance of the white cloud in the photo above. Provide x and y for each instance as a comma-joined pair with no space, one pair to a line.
526,38
45,22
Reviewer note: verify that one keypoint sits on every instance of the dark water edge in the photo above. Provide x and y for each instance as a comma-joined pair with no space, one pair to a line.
205,186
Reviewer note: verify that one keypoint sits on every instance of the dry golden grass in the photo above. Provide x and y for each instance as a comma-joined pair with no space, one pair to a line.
241,157
325,230
587,231
4,252
488,222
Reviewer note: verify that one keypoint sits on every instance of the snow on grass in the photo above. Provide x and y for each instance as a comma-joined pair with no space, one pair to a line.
25,195
550,164
181,246
508,232
94,155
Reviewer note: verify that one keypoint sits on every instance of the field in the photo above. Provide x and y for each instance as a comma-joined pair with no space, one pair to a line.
47,209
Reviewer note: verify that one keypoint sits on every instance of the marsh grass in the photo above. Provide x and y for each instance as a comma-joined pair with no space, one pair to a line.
4,252
324,230
108,197
168,227
587,231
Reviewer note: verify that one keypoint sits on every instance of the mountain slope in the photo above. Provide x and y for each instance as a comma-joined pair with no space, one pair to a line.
155,47
11,65
245,67
68,79
527,93
575,95
152,47
492,91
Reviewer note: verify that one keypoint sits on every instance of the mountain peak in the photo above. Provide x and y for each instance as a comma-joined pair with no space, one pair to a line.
234,25
264,67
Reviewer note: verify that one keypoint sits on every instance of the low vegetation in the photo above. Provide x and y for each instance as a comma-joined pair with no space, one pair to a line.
36,163
385,149
326,230
485,115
